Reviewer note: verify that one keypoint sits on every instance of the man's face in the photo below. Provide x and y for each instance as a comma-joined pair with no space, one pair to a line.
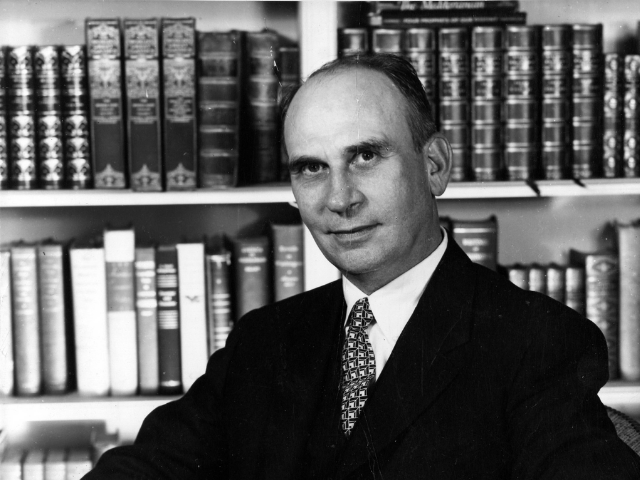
362,188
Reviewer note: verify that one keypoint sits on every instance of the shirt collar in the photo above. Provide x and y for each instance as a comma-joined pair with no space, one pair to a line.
393,304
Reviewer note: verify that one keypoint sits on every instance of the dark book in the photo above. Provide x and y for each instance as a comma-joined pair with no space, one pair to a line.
506,5
631,152
556,282
7,366
386,40
479,240
353,41
443,18
26,321
252,276
104,69
603,302
419,47
51,284
575,289
4,139
21,118
147,319
179,102
289,75
219,313
168,319
613,113
220,68
142,73
288,264
629,254
538,278
519,275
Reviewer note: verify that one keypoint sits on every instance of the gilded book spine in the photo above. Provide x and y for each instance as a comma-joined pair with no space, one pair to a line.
631,152
288,271
220,315
613,116
629,251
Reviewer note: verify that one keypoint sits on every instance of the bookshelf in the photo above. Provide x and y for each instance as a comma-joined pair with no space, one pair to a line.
561,214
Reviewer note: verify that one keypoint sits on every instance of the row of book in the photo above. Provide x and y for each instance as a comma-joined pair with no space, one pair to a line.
521,102
118,318
151,104
52,464
603,286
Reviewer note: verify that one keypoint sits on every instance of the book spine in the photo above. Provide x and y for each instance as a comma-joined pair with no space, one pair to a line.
4,138
193,312
506,6
289,70
142,73
52,317
288,271
613,116
353,41
108,151
263,120
252,274
168,319
75,117
7,366
88,278
220,317
21,120
519,276
575,289
221,70
538,278
602,289
479,240
631,154
556,282
629,252
447,19
119,251
147,319
26,324
179,103
419,47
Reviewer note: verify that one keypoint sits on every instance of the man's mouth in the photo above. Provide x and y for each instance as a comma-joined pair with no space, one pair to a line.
352,233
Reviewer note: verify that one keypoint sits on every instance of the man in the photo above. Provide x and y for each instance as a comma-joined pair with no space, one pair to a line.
418,364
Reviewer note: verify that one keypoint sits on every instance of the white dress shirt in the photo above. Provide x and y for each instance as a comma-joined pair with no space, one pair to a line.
393,304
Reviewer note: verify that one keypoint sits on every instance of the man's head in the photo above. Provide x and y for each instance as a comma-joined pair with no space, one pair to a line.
366,163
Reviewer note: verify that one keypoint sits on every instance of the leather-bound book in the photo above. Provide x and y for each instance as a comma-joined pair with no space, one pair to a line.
631,150
575,289
219,313
252,276
288,264
538,278
147,319
4,138
613,115
629,252
479,240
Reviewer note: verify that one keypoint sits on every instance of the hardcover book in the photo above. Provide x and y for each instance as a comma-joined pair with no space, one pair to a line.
220,315
556,282
147,319
519,276
288,266
538,278
4,140
55,464
629,252
575,289
446,18
7,367
631,151
252,276
479,240
613,115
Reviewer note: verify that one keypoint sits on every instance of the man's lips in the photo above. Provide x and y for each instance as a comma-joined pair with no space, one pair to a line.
352,233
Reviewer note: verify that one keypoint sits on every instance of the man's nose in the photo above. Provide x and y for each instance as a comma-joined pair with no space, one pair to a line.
343,195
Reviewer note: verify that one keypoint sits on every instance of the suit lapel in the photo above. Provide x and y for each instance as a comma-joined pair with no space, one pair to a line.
422,364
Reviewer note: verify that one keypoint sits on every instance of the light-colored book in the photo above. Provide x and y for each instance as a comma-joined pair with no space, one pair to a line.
6,336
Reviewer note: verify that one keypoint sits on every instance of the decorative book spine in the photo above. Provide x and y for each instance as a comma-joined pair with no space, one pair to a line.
142,73
263,117
219,85
353,41
4,140
168,319
479,240
419,47
521,100
575,289
220,320
556,101
613,116
75,117
453,92
289,70
252,277
147,319
105,88
26,324
506,6
88,279
7,366
587,100
538,278
629,251
288,271
193,312
631,154
602,287
467,17
486,90
49,151
179,97
52,317
519,276
119,253
556,282
22,131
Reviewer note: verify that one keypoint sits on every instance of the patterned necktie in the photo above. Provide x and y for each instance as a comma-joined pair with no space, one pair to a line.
358,364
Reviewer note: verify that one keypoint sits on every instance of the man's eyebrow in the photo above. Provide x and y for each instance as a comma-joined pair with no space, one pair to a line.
379,146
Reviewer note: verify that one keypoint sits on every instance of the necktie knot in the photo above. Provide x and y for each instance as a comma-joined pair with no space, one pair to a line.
361,315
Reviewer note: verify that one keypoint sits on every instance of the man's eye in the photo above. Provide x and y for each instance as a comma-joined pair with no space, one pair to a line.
311,168
366,156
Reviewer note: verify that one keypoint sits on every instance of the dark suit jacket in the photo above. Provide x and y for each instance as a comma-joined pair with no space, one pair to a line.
486,381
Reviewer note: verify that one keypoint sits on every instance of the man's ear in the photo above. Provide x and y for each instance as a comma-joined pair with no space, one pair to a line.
437,152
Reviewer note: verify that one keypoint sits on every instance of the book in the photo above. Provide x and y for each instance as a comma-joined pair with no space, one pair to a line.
288,265
252,276
33,465
219,314
519,276
180,139
147,319
613,113
55,464
11,465
556,282
51,285
575,289
352,41
4,139
26,321
289,77
104,69
168,319
479,240
88,279
78,463
443,18
7,366
419,47
506,5
602,295
629,256
631,150
220,68
142,85
193,312
119,255
538,278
